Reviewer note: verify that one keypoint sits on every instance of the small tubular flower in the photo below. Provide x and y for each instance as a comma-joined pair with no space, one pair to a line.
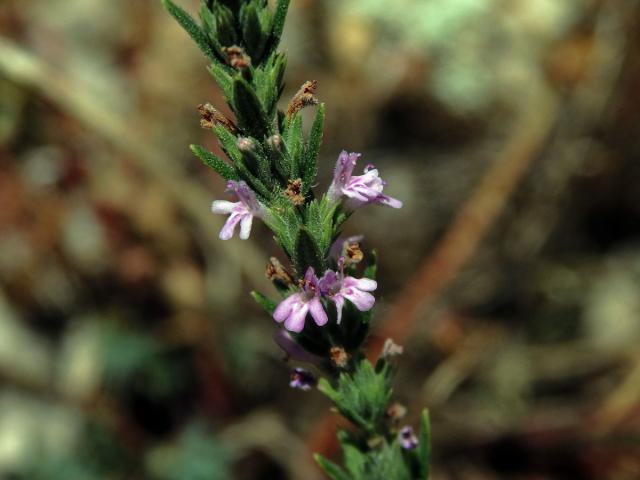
359,189
407,438
338,288
302,379
293,309
241,212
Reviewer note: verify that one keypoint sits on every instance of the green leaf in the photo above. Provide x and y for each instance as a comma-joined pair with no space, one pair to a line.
424,445
225,25
209,26
330,468
354,460
254,38
225,170
294,140
372,267
228,142
310,168
268,304
362,396
224,81
248,110
191,27
277,27
308,254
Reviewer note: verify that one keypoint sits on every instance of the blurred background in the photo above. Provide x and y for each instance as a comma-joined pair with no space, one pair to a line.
129,347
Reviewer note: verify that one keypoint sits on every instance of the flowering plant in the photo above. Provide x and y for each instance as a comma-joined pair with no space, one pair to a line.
326,293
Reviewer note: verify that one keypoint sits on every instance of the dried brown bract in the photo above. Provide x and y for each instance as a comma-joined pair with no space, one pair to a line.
339,357
294,192
236,57
277,273
303,98
209,117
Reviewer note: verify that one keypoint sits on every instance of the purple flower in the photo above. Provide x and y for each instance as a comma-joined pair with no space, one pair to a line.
338,287
407,439
293,309
359,189
241,212
302,379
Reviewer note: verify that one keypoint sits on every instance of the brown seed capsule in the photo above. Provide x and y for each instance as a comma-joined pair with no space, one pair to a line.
209,117
294,191
339,356
303,98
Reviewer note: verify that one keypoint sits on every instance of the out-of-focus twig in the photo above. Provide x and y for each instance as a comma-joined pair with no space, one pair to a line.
80,101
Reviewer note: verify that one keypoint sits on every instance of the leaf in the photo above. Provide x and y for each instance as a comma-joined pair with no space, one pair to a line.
330,468
308,254
372,267
228,142
362,396
248,109
310,168
225,170
224,81
294,141
424,445
191,27
268,304
277,27
255,39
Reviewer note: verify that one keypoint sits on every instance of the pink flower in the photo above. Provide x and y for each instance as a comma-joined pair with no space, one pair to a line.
241,212
359,189
338,287
293,309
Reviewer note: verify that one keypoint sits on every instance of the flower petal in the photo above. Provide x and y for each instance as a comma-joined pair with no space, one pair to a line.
295,321
245,226
317,312
364,284
389,201
363,301
339,301
223,206
227,230
283,309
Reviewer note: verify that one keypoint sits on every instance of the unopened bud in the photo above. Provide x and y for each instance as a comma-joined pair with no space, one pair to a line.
274,142
246,145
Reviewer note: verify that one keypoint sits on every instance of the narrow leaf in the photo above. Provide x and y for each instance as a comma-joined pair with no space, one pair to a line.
268,304
308,254
330,468
424,445
279,18
225,170
310,168
248,110
191,27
